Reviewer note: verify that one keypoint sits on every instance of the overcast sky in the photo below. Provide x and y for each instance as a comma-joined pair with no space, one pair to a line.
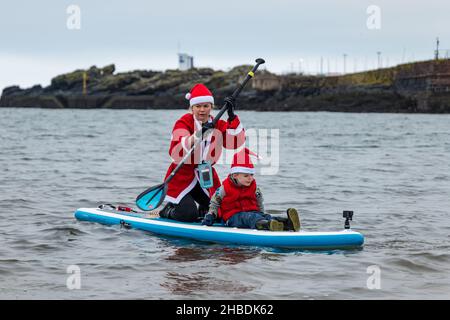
36,44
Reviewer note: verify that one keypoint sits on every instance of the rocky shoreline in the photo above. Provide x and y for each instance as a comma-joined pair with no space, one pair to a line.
421,87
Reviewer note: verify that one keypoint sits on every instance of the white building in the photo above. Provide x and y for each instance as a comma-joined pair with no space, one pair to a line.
185,61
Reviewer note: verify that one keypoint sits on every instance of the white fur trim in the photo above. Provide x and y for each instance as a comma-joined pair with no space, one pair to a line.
183,193
201,99
235,132
183,144
188,96
242,170
198,124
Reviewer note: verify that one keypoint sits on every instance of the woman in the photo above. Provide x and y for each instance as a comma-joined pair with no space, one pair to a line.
184,190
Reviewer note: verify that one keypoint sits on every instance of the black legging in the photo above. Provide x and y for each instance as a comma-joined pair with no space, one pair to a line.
186,210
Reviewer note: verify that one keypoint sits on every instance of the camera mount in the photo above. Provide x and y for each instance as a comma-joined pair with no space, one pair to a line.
348,215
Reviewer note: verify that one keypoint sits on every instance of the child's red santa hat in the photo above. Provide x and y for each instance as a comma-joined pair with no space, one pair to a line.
199,94
242,162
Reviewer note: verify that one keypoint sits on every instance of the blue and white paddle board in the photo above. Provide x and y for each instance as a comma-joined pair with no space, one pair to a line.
344,239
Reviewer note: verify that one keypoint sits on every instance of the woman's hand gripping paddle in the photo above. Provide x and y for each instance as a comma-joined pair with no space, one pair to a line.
152,198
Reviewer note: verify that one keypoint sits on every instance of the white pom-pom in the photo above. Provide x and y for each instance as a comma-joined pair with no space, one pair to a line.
188,95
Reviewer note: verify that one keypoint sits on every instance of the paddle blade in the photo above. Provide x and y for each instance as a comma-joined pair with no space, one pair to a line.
152,197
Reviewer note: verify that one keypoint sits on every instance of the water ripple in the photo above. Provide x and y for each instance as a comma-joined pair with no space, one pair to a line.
391,169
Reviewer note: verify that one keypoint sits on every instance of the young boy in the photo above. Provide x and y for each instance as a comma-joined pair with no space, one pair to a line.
239,202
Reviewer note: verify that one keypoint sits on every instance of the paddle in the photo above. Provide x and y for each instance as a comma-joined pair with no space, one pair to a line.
153,197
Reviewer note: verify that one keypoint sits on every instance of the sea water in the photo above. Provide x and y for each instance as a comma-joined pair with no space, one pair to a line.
392,170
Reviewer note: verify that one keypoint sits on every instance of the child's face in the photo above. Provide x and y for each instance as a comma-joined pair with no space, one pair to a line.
244,179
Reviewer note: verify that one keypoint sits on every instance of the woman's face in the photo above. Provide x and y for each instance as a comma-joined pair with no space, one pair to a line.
201,111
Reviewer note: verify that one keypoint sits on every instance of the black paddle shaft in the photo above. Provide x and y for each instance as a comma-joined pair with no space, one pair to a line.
238,90
235,94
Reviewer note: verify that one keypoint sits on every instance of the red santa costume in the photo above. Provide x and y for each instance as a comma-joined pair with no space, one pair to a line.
227,134
239,198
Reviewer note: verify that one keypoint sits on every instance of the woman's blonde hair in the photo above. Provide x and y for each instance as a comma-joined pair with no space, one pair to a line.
212,106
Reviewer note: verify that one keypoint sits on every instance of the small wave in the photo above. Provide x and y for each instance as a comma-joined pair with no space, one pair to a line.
412,265
8,261
25,244
90,136
435,257
4,272
425,146
121,267
15,201
441,178
44,247
382,170
370,146
50,135
338,147
63,231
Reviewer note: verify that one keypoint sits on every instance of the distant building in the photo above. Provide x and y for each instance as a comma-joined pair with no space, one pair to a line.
266,82
333,74
185,61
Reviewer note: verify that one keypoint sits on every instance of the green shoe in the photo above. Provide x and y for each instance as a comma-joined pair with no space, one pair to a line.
275,225
272,225
293,219
262,225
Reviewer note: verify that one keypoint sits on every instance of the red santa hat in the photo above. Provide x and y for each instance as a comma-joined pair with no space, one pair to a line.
242,162
199,94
